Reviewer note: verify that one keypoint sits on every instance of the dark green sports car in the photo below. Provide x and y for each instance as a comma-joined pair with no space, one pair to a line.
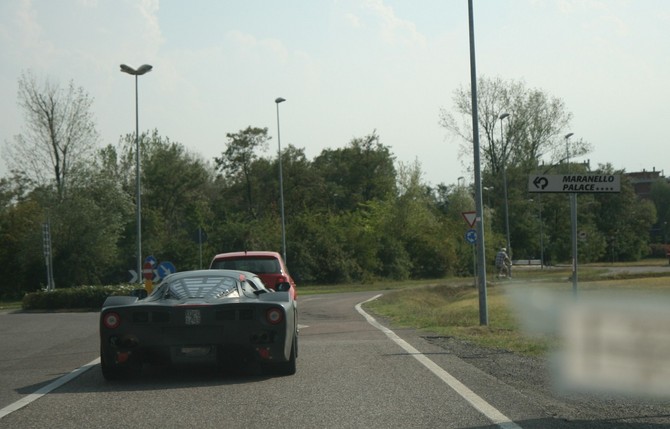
223,317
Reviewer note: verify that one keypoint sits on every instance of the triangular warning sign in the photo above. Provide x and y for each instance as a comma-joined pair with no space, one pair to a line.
470,218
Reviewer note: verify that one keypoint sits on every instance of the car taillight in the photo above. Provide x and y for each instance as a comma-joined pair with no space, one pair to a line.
111,320
274,316
281,279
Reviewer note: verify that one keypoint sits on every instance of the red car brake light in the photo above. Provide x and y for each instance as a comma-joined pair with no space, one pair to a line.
111,320
274,316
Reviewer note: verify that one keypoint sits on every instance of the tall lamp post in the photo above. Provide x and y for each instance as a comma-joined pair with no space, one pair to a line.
145,68
504,166
281,183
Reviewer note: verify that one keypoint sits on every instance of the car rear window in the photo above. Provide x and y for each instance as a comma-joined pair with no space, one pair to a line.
200,287
254,265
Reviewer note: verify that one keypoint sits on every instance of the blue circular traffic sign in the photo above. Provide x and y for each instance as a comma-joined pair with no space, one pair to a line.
471,236
165,268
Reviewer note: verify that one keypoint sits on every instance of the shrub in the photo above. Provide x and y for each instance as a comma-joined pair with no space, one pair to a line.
82,297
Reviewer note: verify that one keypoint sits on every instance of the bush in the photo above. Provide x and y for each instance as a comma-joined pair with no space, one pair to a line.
82,297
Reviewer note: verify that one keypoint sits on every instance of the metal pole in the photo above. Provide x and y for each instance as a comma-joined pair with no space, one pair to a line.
281,184
481,254
573,221
573,217
539,198
144,68
200,245
138,206
509,246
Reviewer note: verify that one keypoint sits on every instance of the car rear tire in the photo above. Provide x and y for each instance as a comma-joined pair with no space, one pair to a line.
289,367
109,371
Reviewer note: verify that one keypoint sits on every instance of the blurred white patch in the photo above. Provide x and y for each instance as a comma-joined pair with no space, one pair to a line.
613,345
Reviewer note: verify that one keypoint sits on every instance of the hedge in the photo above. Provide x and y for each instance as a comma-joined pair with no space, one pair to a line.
81,297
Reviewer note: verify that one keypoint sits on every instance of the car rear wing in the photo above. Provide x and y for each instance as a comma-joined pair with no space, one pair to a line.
275,297
114,301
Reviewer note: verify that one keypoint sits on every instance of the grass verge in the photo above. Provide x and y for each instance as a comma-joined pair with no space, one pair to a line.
452,309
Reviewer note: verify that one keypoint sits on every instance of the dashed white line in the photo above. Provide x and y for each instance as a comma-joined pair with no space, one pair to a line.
475,400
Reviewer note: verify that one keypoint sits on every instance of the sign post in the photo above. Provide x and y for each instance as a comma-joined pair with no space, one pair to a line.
471,237
148,274
574,184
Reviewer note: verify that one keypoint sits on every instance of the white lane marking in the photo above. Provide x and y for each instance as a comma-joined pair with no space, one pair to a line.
46,389
475,400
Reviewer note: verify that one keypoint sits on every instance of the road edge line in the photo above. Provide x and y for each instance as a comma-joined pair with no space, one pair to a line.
46,389
488,410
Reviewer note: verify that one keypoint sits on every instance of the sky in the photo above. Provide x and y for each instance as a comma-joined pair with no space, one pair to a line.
347,68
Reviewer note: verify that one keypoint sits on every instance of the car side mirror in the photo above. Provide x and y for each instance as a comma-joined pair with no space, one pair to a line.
283,287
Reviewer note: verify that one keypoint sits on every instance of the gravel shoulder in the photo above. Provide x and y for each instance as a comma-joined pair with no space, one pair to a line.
532,377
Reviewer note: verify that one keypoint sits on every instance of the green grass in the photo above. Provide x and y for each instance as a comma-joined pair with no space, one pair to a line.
452,308
10,305
454,311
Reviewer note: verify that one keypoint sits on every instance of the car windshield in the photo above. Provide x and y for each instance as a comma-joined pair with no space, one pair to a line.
254,265
200,287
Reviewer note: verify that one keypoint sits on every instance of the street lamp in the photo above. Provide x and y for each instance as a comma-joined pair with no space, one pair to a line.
138,207
281,183
504,167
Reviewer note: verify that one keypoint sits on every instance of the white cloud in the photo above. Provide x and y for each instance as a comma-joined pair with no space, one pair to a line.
393,29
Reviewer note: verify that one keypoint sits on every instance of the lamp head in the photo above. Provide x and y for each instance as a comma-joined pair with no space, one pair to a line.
145,68
279,100
503,116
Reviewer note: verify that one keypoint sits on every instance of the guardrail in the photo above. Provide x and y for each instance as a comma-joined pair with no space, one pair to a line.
526,262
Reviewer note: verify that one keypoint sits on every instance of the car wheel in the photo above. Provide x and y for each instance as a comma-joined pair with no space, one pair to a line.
289,367
109,371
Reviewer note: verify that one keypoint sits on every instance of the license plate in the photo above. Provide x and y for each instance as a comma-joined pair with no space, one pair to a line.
193,316
195,351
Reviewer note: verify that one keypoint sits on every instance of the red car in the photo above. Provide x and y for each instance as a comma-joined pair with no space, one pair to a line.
269,266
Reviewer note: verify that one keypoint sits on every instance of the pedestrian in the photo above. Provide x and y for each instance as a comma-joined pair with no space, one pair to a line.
503,263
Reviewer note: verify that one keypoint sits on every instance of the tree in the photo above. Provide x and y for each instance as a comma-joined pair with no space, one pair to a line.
240,154
21,258
513,146
176,185
660,195
534,130
59,135
624,220
362,172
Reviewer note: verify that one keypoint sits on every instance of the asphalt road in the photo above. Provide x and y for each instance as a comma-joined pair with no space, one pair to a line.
351,374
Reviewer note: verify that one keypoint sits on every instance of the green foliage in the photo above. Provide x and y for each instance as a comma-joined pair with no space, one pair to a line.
82,297
352,215
21,253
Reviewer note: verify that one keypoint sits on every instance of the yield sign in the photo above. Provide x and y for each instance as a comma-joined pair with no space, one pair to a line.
470,218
